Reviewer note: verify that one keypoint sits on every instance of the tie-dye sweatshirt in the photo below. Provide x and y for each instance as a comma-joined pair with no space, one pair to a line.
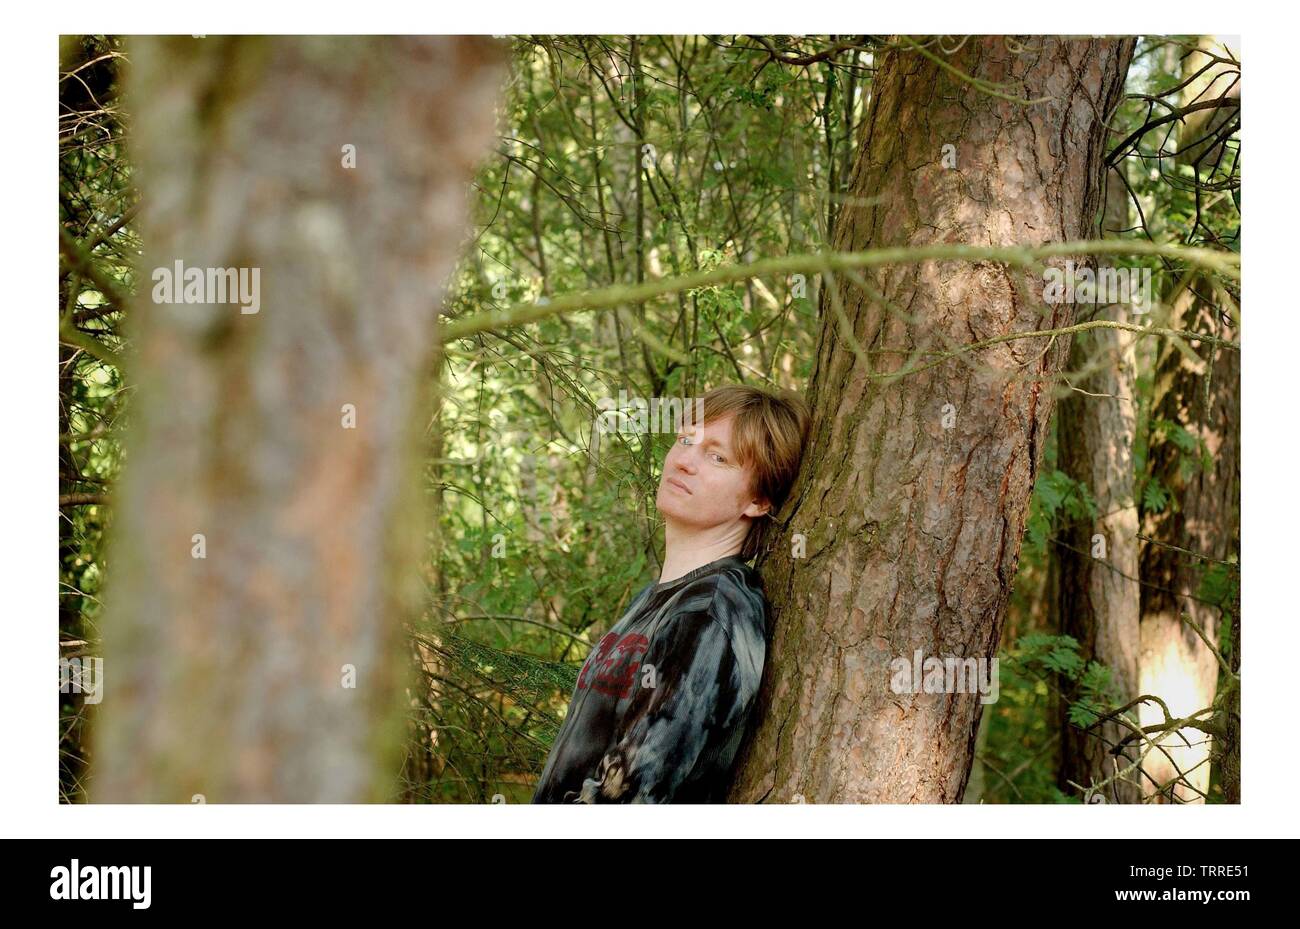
662,701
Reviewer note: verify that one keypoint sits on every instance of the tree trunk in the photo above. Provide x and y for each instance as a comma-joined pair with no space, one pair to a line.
1202,133
266,550
912,530
1200,392
1200,517
1099,595
1232,715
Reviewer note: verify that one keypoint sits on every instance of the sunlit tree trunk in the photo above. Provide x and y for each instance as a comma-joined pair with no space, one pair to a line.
913,496
270,515
1198,390
1202,133
1203,508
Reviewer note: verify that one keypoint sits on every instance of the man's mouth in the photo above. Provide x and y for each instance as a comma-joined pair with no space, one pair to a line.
679,485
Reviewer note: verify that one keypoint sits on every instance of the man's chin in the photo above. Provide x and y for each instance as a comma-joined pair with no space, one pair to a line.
670,507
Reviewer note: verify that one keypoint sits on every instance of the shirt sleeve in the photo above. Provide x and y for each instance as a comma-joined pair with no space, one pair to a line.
691,691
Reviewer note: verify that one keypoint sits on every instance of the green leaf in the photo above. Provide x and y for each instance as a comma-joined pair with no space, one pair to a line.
1154,497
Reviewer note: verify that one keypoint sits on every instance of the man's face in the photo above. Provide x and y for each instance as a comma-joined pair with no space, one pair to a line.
703,484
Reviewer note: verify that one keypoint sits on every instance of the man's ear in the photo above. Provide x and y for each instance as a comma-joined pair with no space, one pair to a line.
756,509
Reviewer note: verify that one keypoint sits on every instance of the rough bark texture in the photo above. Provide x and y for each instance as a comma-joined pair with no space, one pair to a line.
913,530
225,674
1100,596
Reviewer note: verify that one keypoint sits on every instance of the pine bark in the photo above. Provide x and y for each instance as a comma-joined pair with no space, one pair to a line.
911,530
225,674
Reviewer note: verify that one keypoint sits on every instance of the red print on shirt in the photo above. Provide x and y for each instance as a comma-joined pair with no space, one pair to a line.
612,667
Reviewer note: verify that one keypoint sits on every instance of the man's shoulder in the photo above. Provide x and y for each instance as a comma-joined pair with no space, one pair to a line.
736,581
733,598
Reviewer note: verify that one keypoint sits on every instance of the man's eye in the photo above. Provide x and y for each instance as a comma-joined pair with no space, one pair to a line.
684,439
721,460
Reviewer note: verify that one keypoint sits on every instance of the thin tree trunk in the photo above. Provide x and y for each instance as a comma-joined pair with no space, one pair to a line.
1232,715
1099,595
1200,517
1201,394
231,675
913,530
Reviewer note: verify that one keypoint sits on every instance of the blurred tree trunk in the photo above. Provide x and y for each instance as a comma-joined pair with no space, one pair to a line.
231,675
1200,517
1099,592
1202,133
913,530
1197,389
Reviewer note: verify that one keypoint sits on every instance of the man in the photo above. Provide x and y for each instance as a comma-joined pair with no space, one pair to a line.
661,703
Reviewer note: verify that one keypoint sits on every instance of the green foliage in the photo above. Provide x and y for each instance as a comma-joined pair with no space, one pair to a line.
1098,694
1154,496
1056,653
544,535
1039,672
1221,585
1035,674
1020,747
95,196
1057,498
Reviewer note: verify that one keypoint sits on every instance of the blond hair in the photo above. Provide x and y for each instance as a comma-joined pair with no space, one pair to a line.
768,436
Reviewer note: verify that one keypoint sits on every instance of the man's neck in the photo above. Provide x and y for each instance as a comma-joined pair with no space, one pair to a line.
687,549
